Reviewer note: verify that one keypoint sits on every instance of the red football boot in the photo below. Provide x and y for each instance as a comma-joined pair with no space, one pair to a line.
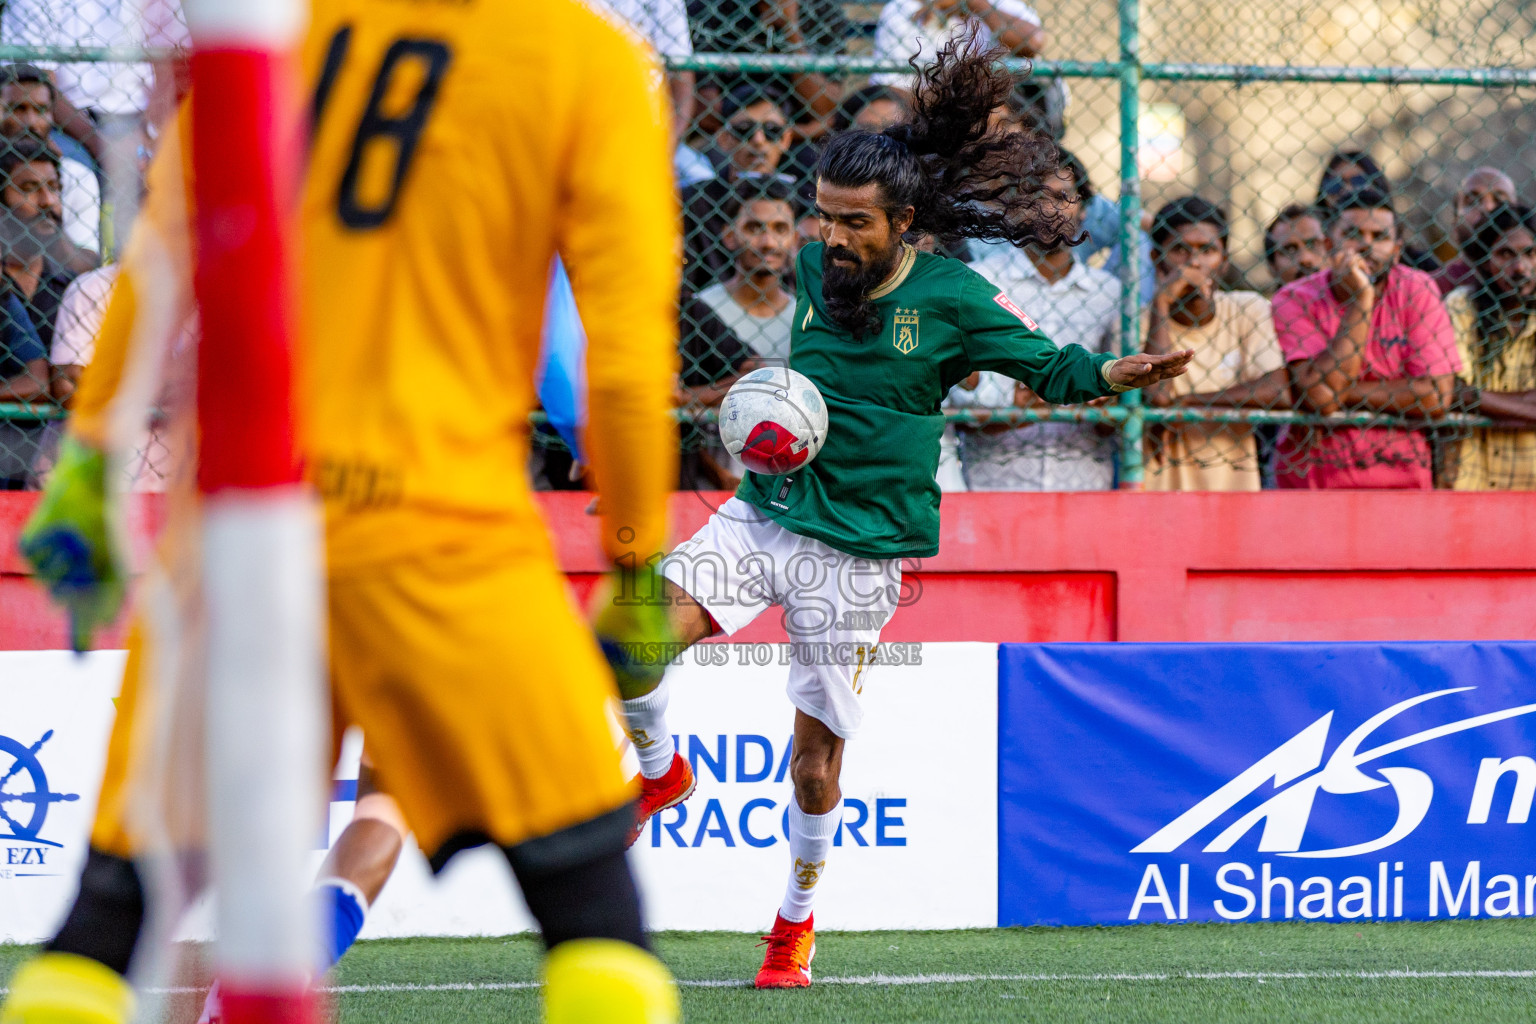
791,948
659,794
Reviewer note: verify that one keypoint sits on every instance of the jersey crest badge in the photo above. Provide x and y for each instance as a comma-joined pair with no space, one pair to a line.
904,331
1003,300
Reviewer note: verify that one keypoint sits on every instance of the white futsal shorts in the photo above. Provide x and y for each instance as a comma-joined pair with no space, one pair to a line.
833,604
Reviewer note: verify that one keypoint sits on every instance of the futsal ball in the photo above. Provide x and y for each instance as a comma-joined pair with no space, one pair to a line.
774,420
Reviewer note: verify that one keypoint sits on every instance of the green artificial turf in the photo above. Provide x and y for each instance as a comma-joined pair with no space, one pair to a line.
1147,973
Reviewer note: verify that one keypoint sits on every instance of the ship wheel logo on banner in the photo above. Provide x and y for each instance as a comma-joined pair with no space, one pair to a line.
24,793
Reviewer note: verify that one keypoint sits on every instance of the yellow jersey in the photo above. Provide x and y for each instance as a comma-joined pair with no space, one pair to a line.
457,146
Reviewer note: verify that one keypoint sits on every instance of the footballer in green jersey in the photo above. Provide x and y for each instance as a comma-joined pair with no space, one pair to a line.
872,490
883,331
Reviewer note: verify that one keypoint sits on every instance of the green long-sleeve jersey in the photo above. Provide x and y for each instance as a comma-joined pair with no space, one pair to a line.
871,491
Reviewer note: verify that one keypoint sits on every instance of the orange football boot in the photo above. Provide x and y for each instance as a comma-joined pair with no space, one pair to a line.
659,794
791,948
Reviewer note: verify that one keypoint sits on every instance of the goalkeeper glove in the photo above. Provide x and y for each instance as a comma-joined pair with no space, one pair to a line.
72,544
629,616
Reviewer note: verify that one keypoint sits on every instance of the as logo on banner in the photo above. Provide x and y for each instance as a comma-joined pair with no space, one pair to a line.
24,802
1298,770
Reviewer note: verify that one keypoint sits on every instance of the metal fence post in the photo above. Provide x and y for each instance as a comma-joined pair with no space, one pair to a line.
1131,429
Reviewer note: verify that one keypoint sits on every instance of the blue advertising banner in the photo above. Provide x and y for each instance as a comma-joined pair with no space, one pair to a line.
1246,782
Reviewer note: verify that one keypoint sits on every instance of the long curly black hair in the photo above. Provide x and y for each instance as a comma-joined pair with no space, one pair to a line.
961,179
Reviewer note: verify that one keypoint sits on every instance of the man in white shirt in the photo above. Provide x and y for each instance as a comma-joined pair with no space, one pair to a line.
1238,360
1074,304
74,343
921,28
753,301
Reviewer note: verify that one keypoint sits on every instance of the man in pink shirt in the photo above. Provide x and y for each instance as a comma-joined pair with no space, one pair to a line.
1365,335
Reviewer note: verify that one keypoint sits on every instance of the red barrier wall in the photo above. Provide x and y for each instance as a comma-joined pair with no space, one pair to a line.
1346,565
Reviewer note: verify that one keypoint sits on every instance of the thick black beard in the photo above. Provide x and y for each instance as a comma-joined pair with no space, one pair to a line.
845,292
21,239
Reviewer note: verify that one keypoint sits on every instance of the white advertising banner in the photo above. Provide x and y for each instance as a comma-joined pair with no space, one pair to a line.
918,847
55,713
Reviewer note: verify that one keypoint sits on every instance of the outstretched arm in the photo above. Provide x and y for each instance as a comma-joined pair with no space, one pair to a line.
1000,336
1146,368
618,237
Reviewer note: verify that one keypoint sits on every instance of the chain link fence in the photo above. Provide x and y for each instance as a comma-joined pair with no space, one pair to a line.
1323,202
83,83
1299,190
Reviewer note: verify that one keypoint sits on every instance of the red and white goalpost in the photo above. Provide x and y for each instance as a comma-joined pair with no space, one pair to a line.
261,535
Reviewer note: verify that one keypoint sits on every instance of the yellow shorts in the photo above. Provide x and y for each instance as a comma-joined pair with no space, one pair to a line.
484,701
152,789
110,832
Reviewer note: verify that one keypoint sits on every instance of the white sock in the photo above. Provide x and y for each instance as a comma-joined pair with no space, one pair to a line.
645,722
810,837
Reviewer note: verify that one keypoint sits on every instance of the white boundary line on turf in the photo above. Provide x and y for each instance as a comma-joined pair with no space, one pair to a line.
922,979
939,979
964,979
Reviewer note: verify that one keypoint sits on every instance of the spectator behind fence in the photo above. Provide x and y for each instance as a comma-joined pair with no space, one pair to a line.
921,28
31,206
31,183
1237,360
712,359
774,26
1352,170
1496,337
107,106
23,373
664,24
26,108
1481,192
1349,171
753,302
752,140
875,107
1074,304
1366,335
1295,243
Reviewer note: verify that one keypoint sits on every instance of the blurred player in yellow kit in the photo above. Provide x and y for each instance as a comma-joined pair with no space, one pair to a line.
455,149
